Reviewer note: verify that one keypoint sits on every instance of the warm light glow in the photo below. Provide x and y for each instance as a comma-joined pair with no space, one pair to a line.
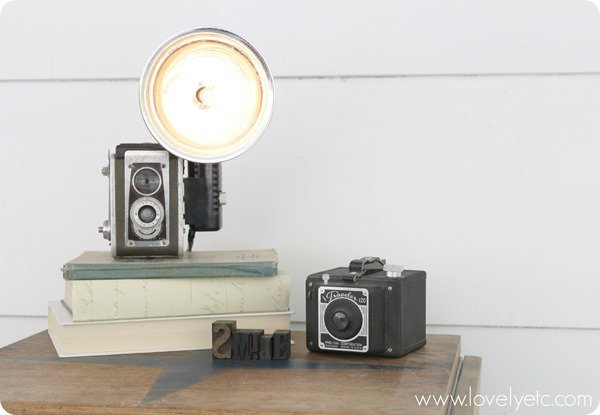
206,95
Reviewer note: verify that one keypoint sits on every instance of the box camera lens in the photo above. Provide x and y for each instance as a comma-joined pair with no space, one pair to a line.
343,319
340,320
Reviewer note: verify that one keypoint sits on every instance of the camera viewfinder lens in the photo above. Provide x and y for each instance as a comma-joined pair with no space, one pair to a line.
146,181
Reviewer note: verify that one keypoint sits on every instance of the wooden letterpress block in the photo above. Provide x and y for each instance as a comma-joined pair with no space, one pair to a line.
241,344
266,347
282,344
222,332
256,336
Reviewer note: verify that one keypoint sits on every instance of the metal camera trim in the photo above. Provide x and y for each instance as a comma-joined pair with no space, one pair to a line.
143,97
155,225
138,190
364,310
143,157
180,205
112,197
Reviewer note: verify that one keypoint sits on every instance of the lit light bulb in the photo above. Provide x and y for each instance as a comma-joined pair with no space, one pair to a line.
206,95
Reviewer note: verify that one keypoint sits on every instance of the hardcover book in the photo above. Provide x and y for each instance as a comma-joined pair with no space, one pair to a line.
92,300
146,335
93,265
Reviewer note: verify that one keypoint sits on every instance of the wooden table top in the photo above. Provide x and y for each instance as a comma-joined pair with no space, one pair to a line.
34,380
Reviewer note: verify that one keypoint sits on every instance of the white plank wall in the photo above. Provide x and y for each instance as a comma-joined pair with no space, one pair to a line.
484,182
112,39
459,137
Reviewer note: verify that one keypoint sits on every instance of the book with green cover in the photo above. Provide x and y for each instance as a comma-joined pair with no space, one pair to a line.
100,265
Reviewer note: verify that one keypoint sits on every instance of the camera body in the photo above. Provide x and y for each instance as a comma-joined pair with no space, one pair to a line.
145,202
367,307
150,202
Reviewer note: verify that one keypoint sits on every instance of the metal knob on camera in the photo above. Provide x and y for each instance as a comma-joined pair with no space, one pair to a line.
393,271
105,230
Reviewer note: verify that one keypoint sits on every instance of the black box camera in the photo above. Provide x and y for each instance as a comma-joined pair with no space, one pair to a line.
368,307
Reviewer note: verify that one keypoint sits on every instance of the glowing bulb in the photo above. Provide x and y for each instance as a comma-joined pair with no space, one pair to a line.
206,95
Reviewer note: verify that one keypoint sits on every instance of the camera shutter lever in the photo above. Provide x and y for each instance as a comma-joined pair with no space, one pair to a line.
363,266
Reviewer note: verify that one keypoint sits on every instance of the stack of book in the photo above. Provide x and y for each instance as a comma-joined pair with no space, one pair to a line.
120,306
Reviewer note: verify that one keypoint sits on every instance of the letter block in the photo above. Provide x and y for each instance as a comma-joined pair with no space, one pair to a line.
266,347
256,336
222,332
282,344
242,344
229,342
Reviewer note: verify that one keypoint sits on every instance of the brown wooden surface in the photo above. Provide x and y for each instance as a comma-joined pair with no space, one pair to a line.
33,380
468,386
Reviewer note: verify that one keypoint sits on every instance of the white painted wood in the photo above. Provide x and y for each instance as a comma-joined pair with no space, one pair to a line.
487,183
108,39
14,329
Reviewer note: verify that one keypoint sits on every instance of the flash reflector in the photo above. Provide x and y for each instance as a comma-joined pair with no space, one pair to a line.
206,95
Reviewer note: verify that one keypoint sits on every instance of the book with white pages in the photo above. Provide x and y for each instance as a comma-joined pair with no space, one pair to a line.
95,338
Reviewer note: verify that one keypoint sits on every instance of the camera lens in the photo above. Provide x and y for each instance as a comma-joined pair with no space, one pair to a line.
343,319
147,214
340,320
146,181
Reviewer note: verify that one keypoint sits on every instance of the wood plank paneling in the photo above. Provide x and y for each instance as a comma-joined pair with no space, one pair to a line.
486,183
113,39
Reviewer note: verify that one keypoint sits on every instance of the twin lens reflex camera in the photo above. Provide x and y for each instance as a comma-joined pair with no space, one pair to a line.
206,96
